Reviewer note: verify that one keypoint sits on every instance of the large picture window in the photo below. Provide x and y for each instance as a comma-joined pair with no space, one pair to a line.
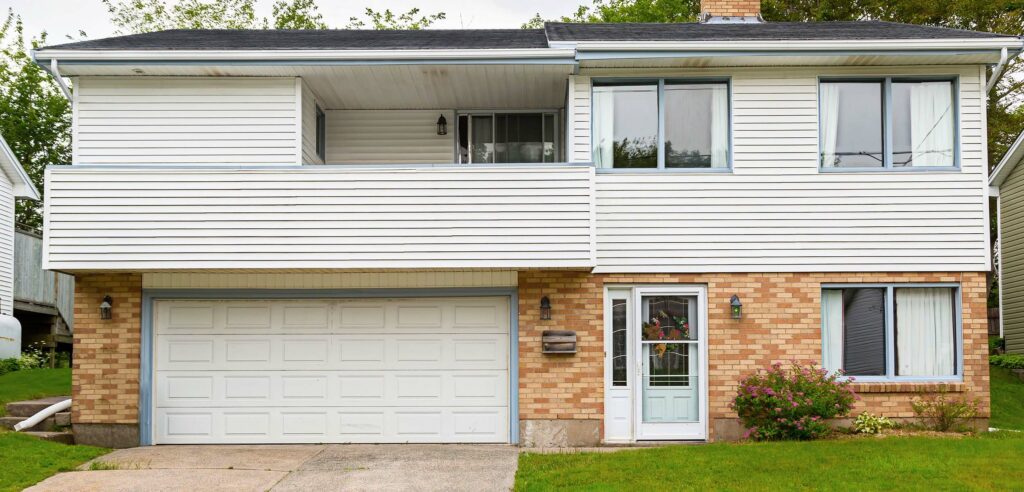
891,332
889,123
661,124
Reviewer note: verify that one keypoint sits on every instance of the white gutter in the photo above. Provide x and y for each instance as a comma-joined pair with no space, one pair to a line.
304,55
42,415
800,45
998,70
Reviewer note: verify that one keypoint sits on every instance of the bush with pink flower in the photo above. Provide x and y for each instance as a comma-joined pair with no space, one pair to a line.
792,402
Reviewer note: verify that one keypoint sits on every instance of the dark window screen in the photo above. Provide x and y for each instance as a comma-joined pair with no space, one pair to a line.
864,332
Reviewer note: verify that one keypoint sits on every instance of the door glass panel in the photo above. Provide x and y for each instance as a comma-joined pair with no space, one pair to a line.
482,139
671,359
620,360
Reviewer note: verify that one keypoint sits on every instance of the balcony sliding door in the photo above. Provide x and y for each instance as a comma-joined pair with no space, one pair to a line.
507,137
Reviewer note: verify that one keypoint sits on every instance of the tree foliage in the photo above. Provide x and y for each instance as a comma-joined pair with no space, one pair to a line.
628,11
297,14
137,16
35,118
386,20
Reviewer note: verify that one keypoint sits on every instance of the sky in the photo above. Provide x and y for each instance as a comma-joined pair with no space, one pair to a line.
61,18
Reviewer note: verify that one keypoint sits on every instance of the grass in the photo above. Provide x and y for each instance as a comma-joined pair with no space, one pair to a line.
33,383
27,460
1007,399
988,462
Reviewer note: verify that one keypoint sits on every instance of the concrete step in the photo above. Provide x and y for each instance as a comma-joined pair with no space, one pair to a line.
49,423
61,437
31,407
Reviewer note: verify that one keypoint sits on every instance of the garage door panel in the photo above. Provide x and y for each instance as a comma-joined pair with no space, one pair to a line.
187,389
354,370
319,424
332,352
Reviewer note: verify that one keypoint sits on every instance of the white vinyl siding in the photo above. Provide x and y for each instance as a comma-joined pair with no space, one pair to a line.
776,211
389,137
319,217
309,105
578,123
186,120
6,246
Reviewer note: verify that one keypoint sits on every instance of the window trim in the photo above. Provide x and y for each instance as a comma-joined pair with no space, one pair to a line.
890,331
470,113
886,82
660,82
320,121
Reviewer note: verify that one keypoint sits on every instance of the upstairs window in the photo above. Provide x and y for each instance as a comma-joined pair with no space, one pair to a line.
661,124
321,134
890,123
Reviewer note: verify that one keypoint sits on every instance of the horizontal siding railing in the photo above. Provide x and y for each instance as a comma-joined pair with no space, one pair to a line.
320,217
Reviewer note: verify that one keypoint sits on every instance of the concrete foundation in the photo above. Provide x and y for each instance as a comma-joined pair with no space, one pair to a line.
559,433
107,435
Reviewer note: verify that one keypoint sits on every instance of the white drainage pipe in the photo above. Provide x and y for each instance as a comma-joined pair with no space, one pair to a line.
42,415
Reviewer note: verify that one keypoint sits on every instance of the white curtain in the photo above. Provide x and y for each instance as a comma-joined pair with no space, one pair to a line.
832,329
604,128
925,345
931,124
719,126
829,132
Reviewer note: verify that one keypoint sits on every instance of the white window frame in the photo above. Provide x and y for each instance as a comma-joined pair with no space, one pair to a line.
493,114
890,332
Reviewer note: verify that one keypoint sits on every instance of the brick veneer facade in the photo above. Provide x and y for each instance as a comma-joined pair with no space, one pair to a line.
781,322
731,8
105,373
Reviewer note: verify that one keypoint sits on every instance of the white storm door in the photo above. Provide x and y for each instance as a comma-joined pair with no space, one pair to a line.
618,393
670,360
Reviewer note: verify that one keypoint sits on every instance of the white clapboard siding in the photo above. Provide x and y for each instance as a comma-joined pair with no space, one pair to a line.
319,218
578,116
776,211
179,120
389,137
309,104
6,246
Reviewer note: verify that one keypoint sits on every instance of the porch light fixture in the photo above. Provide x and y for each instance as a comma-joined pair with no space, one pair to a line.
736,307
545,308
442,125
105,307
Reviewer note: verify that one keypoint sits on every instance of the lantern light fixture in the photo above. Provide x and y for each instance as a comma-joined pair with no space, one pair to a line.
545,308
105,308
736,307
442,125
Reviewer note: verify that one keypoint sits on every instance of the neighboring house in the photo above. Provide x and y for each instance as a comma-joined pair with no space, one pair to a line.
1007,185
14,183
43,300
362,236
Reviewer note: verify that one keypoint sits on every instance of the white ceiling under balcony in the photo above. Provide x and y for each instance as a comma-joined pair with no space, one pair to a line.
393,86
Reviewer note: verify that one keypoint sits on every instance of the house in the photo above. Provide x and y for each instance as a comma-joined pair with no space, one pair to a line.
14,183
1005,186
359,236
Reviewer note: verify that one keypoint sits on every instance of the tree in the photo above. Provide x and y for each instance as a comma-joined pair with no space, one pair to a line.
386,20
35,118
137,16
628,11
298,14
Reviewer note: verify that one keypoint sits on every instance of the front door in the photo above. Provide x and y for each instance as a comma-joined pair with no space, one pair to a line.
667,354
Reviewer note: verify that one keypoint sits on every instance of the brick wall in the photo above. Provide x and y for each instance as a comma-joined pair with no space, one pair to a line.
781,322
105,376
731,8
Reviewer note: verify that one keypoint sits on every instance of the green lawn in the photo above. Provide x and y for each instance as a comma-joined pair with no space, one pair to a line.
989,462
27,460
1007,399
33,383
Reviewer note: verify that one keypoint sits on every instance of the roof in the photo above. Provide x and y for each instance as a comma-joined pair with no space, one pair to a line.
9,165
327,39
1008,163
764,31
427,39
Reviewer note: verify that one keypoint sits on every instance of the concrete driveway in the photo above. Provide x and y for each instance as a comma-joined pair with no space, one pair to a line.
295,467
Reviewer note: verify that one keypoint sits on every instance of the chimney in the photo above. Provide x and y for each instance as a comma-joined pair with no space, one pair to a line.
730,11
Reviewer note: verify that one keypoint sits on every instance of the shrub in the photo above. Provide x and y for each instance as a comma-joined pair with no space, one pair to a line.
944,413
996,345
1009,361
8,365
791,402
32,357
867,423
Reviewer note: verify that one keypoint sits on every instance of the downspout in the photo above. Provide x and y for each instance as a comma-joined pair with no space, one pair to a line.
54,71
996,72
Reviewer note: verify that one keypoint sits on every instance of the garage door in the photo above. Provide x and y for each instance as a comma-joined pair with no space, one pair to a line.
309,371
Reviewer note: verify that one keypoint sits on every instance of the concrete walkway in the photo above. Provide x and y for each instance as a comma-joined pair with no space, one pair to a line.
295,467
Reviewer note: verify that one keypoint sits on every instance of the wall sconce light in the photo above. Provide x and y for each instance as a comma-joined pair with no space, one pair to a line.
736,307
442,126
545,308
105,307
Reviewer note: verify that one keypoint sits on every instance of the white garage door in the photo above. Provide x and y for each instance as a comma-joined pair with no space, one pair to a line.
308,371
